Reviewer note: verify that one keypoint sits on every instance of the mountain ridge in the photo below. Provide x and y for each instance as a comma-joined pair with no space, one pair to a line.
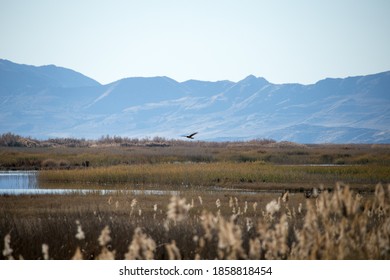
51,101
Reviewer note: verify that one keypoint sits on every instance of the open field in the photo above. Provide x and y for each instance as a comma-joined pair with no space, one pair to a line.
337,225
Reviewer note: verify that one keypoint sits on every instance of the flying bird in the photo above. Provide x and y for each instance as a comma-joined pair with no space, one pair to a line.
191,136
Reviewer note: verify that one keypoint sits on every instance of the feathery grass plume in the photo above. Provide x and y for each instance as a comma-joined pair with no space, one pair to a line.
231,202
7,251
45,251
254,249
106,254
117,204
209,224
300,208
177,209
249,224
77,255
142,247
109,201
80,233
229,241
245,207
315,193
132,205
155,211
104,239
200,200
272,207
218,203
254,206
285,197
173,251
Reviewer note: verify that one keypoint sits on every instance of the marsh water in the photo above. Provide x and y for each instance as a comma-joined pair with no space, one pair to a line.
26,182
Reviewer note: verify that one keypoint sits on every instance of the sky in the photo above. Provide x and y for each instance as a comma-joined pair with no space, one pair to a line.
283,41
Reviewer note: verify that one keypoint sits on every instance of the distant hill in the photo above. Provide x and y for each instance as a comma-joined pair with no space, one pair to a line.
51,101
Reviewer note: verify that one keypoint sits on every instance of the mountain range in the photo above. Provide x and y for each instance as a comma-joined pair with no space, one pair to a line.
50,101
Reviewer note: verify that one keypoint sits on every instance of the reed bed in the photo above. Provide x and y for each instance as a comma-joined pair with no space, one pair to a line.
218,174
342,224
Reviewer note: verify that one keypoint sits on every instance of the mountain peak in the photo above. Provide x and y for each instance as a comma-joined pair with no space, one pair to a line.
252,78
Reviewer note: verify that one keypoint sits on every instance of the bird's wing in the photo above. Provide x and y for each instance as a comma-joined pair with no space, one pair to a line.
193,134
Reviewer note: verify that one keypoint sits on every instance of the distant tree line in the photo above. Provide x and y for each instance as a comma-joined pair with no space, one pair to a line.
13,140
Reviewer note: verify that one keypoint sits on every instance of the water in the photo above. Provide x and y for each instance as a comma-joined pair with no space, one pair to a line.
26,183
18,180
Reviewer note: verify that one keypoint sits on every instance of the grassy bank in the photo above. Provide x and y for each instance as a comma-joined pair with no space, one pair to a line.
337,225
223,174
63,157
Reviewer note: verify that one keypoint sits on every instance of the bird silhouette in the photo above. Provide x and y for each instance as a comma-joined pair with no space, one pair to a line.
191,136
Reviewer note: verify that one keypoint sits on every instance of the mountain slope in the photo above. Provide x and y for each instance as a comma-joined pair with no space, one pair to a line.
50,101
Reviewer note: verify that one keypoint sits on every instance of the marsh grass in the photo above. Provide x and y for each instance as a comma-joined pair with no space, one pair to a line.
224,174
342,224
99,154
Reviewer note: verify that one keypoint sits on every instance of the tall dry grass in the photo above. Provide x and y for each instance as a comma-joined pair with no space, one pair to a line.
217,174
339,225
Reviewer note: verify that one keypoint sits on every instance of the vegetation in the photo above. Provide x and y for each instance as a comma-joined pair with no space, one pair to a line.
254,175
233,200
337,225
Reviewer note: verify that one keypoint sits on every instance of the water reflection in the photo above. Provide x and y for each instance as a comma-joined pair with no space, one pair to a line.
26,183
18,180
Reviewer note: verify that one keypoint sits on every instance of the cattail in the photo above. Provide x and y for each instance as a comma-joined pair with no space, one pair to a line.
246,206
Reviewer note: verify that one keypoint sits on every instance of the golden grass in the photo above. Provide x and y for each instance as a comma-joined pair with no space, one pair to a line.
337,225
255,174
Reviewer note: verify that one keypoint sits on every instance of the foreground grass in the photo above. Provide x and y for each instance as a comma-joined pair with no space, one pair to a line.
338,225
224,174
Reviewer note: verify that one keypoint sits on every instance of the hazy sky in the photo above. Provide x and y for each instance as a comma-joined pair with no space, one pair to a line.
283,41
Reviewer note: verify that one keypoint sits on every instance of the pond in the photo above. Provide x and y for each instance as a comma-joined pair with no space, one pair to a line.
26,182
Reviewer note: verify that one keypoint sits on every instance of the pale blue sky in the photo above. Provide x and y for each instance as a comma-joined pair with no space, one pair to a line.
283,41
